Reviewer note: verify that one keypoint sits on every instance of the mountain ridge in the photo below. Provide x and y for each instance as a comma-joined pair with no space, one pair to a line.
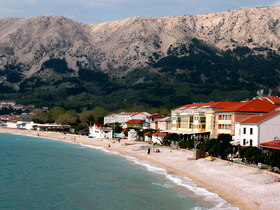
53,50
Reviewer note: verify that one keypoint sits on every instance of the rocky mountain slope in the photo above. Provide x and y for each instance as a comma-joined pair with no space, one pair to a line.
129,43
31,47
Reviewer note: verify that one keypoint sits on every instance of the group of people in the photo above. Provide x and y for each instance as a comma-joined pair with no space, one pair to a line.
156,151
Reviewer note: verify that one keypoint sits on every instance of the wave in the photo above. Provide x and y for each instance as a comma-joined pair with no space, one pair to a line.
178,180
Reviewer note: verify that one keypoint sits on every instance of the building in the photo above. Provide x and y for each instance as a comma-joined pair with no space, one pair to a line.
100,132
158,137
123,117
5,117
152,118
134,124
227,118
258,129
18,107
197,118
10,103
164,124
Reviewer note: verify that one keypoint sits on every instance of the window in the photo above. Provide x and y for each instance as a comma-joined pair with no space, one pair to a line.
251,142
244,142
244,130
251,131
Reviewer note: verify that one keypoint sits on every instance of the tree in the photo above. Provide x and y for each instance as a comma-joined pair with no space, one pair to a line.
38,116
69,117
275,158
250,153
99,113
220,146
55,113
86,116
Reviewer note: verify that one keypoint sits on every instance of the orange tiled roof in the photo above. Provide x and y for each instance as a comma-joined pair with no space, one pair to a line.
134,122
224,104
254,105
214,105
271,144
159,134
259,118
274,99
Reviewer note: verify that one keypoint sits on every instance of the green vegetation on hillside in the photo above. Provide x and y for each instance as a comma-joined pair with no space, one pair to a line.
189,73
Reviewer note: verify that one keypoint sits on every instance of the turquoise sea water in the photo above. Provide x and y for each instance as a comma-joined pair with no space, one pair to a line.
39,173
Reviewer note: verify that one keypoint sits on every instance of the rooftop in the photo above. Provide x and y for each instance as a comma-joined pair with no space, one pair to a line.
271,144
159,134
255,105
259,118
134,122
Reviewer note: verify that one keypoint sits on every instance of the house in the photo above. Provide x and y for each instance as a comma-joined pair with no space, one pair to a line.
123,117
148,136
132,135
258,129
5,117
154,125
164,124
134,124
158,137
151,118
25,125
197,118
18,107
100,132
226,118
9,103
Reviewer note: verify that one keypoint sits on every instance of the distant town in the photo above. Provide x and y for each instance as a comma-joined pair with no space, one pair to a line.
253,123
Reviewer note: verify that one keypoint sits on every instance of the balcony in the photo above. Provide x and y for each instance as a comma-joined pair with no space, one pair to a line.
224,122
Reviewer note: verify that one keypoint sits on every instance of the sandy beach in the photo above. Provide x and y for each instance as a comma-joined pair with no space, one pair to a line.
243,187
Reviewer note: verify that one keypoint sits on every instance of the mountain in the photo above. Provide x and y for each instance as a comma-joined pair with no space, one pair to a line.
172,60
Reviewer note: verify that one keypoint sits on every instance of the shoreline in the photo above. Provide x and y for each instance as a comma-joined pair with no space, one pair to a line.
211,175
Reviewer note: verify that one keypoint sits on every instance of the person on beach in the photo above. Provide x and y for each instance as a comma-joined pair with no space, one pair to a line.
109,145
149,151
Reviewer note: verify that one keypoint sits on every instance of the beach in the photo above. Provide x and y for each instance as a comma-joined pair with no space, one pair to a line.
243,187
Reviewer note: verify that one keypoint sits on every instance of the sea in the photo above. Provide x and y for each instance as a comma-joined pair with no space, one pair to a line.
38,173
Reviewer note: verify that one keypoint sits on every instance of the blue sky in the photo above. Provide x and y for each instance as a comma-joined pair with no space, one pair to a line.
98,11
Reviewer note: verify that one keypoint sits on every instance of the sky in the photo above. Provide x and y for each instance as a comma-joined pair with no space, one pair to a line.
99,11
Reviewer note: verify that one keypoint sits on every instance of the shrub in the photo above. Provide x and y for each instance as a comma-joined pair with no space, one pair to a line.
252,154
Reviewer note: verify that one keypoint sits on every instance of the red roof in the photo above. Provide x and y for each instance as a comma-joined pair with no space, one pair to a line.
159,134
148,133
214,105
98,124
274,99
259,118
254,105
224,104
158,116
134,122
18,105
271,144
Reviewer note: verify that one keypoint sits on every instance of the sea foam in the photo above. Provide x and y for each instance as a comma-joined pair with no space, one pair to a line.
178,180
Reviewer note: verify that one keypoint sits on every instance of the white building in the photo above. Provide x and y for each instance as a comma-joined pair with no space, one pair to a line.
158,137
259,129
97,131
123,117
132,135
